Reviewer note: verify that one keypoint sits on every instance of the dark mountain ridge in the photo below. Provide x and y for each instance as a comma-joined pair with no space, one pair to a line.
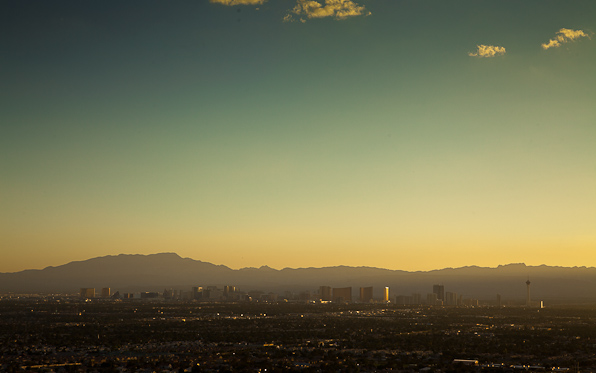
168,270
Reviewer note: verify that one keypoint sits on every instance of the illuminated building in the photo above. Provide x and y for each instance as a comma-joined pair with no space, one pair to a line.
87,293
386,294
105,292
197,292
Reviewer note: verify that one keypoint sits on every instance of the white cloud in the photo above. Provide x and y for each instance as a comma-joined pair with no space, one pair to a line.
487,51
238,2
564,35
339,9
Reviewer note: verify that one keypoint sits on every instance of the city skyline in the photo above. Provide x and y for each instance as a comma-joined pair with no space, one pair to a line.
411,135
148,273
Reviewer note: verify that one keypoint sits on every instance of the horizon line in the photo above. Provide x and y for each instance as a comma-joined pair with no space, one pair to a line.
265,266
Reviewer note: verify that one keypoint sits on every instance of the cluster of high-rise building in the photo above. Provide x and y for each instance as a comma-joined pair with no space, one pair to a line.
228,292
329,294
90,293
438,296
231,293
325,294
196,293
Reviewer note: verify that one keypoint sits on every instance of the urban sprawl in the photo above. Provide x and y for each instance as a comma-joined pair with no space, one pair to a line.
222,329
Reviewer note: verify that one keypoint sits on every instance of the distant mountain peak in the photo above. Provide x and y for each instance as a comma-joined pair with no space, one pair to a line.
513,266
161,255
266,268
166,255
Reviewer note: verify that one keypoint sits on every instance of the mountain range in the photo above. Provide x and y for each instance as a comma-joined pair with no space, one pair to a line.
155,272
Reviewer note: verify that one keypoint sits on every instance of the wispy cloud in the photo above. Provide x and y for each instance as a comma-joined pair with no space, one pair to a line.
338,9
564,35
487,51
238,2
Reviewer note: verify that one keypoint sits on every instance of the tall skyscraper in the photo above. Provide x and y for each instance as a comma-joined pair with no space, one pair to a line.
87,293
342,294
325,293
197,292
403,300
386,294
366,294
105,292
416,298
440,291
228,289
451,299
431,299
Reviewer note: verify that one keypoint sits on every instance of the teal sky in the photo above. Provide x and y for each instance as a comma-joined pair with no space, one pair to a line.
228,134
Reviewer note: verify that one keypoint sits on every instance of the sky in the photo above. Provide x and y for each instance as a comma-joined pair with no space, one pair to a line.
402,134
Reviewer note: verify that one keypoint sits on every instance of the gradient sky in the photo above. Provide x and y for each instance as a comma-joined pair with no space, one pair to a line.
404,134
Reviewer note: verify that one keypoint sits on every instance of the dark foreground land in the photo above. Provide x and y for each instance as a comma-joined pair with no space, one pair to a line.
141,336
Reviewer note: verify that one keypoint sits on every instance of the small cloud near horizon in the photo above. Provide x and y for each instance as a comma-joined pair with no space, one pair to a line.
338,9
238,2
564,35
486,51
